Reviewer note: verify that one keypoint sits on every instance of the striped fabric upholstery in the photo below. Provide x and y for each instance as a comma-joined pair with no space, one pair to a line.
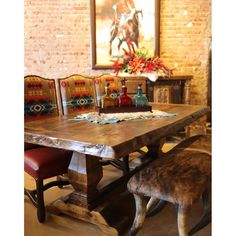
101,81
40,97
77,94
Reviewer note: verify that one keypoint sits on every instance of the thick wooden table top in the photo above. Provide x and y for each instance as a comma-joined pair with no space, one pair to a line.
110,140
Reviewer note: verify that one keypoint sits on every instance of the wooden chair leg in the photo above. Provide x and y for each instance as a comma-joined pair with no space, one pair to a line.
36,195
183,215
140,203
40,201
62,178
125,165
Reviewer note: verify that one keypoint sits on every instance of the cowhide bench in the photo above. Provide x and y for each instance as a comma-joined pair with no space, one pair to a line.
181,177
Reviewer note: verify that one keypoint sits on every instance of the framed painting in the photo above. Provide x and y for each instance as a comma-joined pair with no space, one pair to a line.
116,23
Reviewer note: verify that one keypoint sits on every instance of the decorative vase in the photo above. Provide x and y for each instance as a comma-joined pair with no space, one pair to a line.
107,99
124,100
139,99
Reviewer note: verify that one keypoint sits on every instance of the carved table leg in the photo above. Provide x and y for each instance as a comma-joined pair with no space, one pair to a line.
92,205
84,174
87,203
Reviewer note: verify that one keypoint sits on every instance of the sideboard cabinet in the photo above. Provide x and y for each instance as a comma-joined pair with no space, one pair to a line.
165,90
170,90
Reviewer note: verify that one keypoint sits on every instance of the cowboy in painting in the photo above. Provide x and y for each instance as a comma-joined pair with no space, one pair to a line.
125,27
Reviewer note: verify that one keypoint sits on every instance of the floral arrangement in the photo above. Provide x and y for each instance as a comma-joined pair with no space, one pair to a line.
139,61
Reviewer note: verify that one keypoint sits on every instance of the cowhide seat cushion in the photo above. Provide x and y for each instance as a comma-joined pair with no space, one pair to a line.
180,178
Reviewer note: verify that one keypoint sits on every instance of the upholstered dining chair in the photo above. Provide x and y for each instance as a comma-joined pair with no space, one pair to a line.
42,162
100,83
182,176
77,94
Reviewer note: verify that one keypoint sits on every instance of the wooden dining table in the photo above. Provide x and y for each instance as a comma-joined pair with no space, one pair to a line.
93,143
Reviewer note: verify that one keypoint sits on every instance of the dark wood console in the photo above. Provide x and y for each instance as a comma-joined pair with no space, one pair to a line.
165,90
170,90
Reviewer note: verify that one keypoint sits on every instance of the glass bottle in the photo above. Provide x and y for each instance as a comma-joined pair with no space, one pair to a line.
107,99
124,99
139,99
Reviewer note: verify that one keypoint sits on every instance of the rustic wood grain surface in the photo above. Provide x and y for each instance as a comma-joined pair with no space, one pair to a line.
110,140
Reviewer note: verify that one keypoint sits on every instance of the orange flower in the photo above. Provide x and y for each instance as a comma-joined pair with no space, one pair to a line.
138,61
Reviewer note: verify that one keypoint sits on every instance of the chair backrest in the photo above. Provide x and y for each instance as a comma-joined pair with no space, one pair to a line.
101,81
77,94
39,97
132,83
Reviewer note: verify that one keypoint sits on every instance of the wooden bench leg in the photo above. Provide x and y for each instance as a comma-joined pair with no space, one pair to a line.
206,218
154,206
151,203
140,203
183,215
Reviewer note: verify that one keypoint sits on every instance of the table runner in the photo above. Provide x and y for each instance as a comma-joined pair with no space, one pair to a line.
111,118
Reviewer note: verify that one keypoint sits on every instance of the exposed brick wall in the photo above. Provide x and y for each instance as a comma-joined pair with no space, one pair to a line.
57,39
185,36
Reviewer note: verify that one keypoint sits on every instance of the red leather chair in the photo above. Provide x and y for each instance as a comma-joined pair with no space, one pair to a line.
42,162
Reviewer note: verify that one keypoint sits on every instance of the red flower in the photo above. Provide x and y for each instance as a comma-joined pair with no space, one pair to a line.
117,66
138,61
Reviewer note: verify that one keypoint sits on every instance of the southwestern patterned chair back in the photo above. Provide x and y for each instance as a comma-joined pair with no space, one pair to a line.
101,81
40,97
77,94
42,162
